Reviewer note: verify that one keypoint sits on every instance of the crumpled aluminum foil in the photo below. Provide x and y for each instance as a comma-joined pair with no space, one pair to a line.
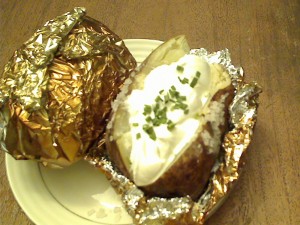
56,90
227,170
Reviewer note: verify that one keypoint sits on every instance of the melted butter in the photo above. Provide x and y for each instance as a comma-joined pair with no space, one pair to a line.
149,158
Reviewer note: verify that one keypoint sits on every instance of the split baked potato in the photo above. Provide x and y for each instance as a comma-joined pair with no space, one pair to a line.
167,123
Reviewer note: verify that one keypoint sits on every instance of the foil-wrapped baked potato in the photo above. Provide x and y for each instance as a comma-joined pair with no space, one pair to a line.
167,124
57,89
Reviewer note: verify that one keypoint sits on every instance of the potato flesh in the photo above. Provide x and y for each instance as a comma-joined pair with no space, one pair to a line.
135,157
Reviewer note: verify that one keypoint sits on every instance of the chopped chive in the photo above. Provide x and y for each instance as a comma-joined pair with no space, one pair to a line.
138,135
162,111
158,99
180,69
156,108
198,74
150,131
135,124
182,98
166,98
170,125
146,127
161,116
176,106
194,82
171,99
182,106
184,80
156,122
163,120
171,93
158,113
152,134
147,109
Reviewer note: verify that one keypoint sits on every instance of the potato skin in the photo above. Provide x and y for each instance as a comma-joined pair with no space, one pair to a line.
190,173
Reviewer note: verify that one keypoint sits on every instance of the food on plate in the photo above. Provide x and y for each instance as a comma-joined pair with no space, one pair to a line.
57,88
167,124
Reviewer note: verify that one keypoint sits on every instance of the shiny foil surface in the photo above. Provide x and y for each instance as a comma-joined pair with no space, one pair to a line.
56,90
183,211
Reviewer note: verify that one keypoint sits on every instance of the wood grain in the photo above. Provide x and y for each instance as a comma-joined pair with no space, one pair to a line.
262,35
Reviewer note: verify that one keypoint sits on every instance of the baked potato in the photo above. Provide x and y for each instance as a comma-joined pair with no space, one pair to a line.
167,123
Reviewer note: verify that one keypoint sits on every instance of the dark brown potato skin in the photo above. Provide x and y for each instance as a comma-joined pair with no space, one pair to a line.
190,173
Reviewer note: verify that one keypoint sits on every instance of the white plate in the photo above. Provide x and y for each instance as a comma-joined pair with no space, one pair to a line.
76,195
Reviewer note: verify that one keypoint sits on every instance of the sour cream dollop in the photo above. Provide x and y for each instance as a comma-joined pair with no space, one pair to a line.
163,116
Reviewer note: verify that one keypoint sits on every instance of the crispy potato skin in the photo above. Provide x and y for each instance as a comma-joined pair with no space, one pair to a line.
190,173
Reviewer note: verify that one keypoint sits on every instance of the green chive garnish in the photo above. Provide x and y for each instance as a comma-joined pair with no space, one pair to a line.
138,135
182,98
146,127
166,98
150,131
198,74
135,124
147,109
156,122
156,108
170,125
171,93
184,80
176,106
163,120
194,82
180,69
158,99
152,134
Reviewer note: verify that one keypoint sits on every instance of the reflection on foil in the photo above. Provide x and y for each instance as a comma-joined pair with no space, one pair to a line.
56,90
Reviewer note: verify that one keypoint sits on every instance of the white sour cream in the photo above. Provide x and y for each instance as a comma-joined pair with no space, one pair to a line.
150,158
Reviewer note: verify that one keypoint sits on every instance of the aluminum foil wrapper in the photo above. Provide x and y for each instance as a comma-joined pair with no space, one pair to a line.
227,170
56,90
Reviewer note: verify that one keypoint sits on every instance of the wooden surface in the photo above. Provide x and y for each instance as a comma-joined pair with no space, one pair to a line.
262,35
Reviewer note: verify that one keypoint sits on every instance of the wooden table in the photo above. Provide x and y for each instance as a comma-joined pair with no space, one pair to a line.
262,35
